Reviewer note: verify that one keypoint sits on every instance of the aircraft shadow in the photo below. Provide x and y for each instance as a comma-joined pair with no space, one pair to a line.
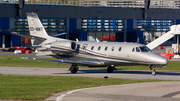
172,73
88,71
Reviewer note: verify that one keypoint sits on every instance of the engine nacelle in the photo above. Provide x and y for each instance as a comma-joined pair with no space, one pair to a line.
64,46
73,45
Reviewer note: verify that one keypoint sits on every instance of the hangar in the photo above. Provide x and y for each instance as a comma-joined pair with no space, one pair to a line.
107,20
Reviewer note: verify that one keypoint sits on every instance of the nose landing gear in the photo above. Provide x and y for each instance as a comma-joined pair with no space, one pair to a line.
153,70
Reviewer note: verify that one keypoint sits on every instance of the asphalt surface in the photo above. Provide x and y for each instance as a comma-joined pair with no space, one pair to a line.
130,74
154,91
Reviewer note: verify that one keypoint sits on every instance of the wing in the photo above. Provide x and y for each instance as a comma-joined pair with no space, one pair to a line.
67,61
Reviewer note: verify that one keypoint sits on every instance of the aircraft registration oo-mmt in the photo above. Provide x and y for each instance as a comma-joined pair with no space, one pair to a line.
88,53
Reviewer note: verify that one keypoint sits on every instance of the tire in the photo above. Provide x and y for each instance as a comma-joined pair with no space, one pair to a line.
74,70
153,72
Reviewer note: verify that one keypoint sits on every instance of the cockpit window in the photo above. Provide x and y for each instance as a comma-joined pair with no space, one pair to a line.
145,49
137,49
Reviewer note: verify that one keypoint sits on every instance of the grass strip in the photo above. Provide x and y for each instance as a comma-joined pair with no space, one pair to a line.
16,87
16,61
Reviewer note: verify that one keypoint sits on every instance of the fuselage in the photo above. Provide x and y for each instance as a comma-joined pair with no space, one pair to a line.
115,53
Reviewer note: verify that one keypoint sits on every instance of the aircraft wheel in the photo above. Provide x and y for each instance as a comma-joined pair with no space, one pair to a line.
153,72
110,69
74,70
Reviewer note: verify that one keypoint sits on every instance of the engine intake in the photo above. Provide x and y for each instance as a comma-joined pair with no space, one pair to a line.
73,46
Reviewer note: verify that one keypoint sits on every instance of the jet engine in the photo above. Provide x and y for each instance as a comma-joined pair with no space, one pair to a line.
63,46
59,47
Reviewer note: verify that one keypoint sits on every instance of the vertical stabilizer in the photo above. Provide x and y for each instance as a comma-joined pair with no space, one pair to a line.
35,26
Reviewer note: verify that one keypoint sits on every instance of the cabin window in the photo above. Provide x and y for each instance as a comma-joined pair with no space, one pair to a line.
119,48
133,50
106,48
137,49
112,48
99,48
92,47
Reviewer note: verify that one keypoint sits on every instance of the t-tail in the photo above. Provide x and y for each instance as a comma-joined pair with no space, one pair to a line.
37,31
35,26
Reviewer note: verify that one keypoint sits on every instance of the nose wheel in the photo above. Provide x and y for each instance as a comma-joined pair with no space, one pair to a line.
153,70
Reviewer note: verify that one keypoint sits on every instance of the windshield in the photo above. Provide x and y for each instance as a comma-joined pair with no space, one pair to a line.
145,49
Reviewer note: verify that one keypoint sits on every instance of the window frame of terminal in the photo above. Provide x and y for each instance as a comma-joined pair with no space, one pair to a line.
51,25
105,25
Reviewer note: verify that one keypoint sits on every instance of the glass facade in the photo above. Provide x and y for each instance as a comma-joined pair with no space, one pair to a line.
153,29
51,25
103,25
102,29
154,25
102,36
172,4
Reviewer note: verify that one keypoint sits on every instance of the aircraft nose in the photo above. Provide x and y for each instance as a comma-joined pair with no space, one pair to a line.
164,61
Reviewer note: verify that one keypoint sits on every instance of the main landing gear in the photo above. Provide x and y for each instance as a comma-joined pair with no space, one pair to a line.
153,70
110,69
74,68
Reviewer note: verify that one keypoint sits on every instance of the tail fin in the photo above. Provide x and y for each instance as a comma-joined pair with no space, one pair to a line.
38,34
35,26
36,29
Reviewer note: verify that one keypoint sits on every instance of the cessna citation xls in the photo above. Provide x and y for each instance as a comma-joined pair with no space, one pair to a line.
99,54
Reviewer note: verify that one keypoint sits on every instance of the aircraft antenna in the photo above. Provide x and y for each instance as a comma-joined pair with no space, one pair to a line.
77,40
97,40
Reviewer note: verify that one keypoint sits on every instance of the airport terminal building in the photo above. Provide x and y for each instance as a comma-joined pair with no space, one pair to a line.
107,20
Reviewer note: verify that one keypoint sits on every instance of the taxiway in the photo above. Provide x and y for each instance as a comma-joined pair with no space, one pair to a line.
130,74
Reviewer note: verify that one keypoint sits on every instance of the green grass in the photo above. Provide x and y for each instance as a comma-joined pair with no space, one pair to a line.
16,61
15,87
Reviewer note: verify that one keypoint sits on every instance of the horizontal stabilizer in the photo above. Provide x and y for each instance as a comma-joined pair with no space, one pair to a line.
28,36
67,61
